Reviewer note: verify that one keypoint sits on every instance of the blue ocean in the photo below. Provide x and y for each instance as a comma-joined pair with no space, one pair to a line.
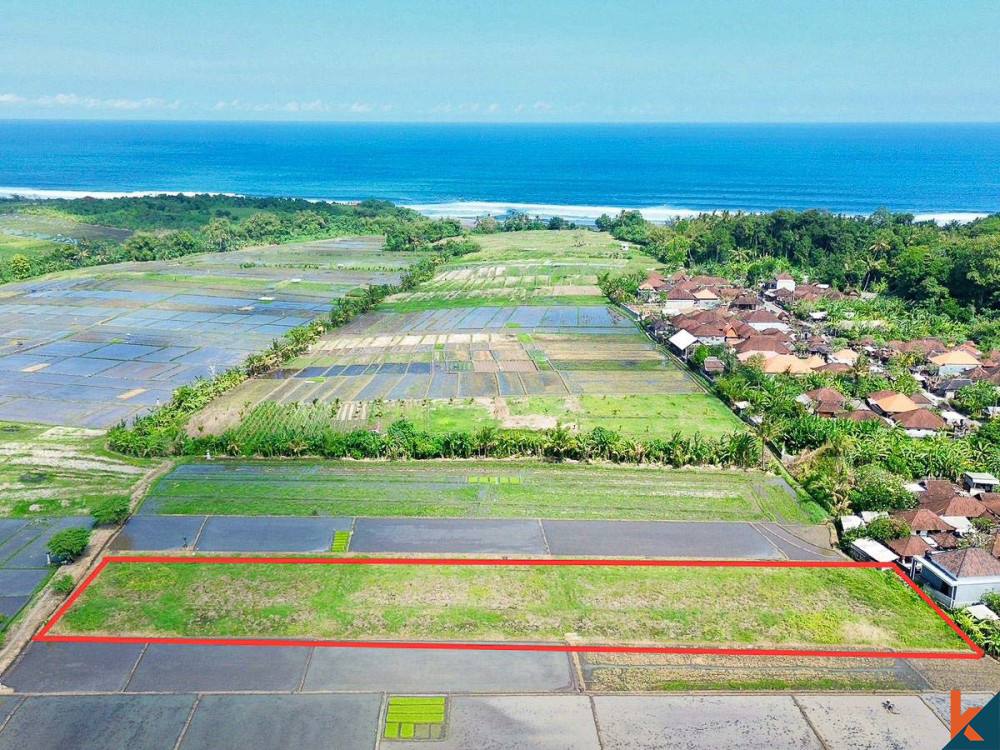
573,170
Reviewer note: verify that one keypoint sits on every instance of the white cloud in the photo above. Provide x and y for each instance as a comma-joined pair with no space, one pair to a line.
291,108
542,106
59,101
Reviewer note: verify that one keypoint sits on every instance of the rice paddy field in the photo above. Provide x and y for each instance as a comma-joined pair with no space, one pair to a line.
527,268
516,335
521,366
471,489
92,347
56,471
656,606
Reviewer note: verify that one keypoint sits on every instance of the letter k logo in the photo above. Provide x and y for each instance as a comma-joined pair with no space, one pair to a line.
960,720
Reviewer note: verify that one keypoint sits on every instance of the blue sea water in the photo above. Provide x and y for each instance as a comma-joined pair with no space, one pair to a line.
575,170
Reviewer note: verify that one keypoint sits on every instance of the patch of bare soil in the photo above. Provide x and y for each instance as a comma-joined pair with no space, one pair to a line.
530,422
214,421
66,460
499,409
981,675
658,672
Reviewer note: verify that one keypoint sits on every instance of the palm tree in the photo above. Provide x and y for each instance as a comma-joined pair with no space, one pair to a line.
560,442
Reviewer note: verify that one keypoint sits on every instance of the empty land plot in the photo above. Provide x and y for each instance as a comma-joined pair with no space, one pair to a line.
661,606
54,471
645,416
473,489
92,347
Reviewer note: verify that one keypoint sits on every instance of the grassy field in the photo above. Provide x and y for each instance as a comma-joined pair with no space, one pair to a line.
479,489
26,246
581,247
527,268
638,415
36,235
57,471
760,607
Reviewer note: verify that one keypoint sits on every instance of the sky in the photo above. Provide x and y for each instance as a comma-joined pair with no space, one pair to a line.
516,61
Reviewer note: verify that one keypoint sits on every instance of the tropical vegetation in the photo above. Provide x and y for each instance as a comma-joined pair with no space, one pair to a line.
172,226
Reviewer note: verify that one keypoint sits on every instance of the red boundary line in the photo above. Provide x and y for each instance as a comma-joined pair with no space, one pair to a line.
977,653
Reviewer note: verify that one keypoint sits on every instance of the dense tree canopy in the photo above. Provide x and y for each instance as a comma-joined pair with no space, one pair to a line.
956,264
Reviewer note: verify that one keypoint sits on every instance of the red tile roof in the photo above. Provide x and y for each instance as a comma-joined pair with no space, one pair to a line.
922,519
909,546
919,419
937,489
762,344
825,394
945,540
958,505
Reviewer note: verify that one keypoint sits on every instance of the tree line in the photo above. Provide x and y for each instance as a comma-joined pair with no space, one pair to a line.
311,430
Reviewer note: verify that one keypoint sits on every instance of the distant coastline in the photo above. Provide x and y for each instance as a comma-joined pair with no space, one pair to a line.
943,172
470,210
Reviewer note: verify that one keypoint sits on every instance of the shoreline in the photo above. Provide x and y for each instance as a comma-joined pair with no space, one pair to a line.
471,210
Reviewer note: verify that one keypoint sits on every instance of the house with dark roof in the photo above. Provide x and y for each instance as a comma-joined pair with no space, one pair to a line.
959,577
920,423
947,387
858,415
937,489
766,345
746,303
991,500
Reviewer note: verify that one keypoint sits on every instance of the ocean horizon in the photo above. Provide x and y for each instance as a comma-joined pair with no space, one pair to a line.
939,172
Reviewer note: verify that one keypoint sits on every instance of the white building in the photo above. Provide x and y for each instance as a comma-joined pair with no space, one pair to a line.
959,577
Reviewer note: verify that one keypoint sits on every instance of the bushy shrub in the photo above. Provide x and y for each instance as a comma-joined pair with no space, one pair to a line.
992,600
63,584
68,544
877,489
882,530
111,511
